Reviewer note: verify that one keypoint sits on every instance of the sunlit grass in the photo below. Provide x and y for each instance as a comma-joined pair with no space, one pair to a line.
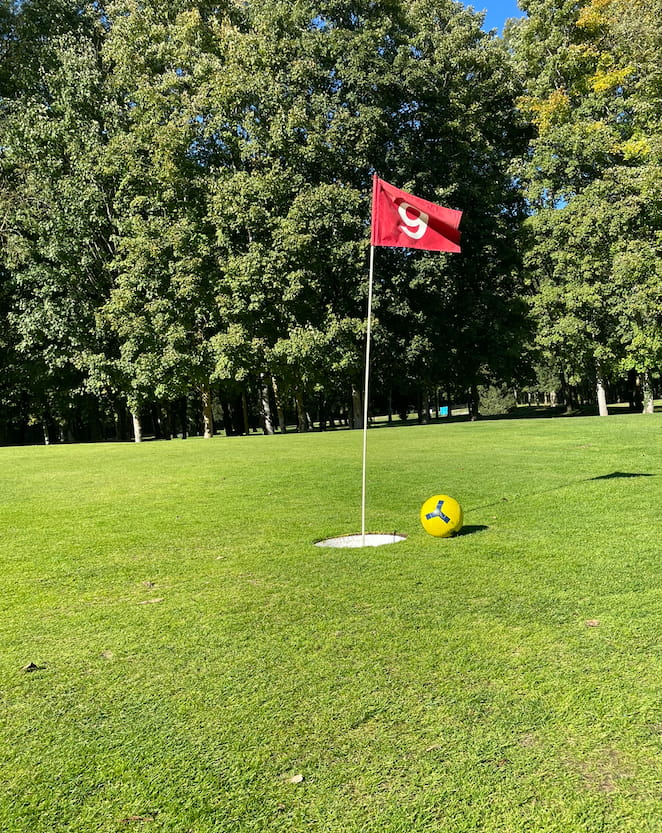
201,666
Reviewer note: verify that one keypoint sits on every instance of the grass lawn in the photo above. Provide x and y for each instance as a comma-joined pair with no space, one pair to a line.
198,666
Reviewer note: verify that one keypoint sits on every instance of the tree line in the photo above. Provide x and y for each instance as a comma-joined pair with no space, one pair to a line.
185,208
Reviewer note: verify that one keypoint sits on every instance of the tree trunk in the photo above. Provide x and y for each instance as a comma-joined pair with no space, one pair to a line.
44,426
157,422
183,415
357,410
122,433
566,394
228,423
207,416
602,396
424,407
265,407
473,404
280,411
169,422
244,413
321,412
137,427
647,390
302,417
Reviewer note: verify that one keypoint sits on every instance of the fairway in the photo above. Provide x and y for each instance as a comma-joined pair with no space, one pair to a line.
176,654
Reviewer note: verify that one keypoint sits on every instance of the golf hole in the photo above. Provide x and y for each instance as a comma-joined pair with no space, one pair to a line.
370,539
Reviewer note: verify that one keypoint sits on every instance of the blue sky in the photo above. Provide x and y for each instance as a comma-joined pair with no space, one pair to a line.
498,11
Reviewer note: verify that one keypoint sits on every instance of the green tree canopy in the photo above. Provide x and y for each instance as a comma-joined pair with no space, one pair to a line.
592,180
186,199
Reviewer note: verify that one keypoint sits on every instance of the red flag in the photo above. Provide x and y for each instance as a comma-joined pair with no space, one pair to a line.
401,219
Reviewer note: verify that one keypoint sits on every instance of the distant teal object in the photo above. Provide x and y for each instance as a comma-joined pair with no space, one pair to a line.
443,411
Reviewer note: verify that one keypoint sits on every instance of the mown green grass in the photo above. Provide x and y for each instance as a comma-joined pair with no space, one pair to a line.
195,651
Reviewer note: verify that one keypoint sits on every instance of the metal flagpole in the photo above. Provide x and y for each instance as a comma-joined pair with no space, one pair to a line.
365,393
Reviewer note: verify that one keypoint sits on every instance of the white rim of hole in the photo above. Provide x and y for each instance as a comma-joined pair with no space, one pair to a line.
370,539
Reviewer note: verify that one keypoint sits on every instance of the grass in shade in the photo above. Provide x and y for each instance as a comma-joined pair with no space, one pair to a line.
176,655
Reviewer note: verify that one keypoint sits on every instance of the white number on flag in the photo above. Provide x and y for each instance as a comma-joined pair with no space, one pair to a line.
415,226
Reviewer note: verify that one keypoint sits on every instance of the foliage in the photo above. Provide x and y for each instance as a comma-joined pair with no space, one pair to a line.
187,197
56,232
592,180
185,201
161,306
496,401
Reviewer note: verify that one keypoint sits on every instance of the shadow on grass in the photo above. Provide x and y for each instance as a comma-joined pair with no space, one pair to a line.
615,475
619,474
471,528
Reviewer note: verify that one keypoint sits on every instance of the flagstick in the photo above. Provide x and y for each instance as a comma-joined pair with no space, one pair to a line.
365,393
391,225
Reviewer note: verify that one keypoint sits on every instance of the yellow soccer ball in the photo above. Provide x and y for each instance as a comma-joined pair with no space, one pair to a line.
441,516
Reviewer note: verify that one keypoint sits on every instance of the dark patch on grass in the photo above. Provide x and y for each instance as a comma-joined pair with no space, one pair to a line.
622,474
606,773
471,528
133,819
615,475
32,667
366,717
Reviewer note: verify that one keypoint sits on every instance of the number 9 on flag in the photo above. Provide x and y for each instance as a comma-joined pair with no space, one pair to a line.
401,219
